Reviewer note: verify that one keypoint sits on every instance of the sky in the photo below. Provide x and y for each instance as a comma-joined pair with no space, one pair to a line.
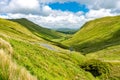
59,13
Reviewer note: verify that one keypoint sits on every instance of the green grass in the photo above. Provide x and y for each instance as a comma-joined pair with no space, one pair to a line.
14,30
9,70
98,39
96,35
45,64
38,30
48,64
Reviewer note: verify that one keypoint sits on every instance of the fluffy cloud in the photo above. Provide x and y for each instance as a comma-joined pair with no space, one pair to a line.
27,6
53,1
63,19
20,6
92,4
53,20
99,13
39,12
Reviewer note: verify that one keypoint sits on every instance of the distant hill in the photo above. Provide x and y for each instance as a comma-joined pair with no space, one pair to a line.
38,30
67,30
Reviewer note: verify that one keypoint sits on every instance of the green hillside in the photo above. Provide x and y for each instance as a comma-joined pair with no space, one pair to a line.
39,31
40,61
96,35
100,39
25,49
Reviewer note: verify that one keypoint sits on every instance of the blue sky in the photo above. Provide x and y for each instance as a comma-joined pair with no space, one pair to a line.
69,6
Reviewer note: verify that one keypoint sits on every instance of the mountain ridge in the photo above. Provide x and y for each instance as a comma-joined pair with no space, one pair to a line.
38,30
103,29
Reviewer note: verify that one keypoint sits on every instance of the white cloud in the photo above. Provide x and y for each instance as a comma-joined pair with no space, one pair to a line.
21,6
118,5
99,13
39,12
98,4
91,4
60,20
3,2
53,1
46,10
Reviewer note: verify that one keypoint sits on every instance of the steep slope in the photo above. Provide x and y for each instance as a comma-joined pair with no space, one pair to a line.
49,62
14,30
100,39
96,35
44,63
38,30
9,70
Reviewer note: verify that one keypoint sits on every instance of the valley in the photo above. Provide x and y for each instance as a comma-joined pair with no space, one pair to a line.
44,54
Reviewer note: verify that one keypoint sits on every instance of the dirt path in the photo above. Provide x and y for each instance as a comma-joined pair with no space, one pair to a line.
48,46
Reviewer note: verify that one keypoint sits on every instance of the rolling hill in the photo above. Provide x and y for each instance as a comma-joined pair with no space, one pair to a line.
96,35
31,58
39,31
100,39
26,48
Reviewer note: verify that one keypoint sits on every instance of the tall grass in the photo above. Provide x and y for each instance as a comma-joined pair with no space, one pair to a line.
9,70
5,46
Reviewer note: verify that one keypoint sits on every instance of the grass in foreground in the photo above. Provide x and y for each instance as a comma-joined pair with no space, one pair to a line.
9,70
47,64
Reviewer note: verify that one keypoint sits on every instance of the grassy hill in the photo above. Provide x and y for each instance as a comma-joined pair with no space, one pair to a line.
38,30
30,58
100,39
96,35
9,70
29,52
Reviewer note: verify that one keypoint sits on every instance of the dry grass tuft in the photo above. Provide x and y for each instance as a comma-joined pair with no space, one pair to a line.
11,71
8,69
5,46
